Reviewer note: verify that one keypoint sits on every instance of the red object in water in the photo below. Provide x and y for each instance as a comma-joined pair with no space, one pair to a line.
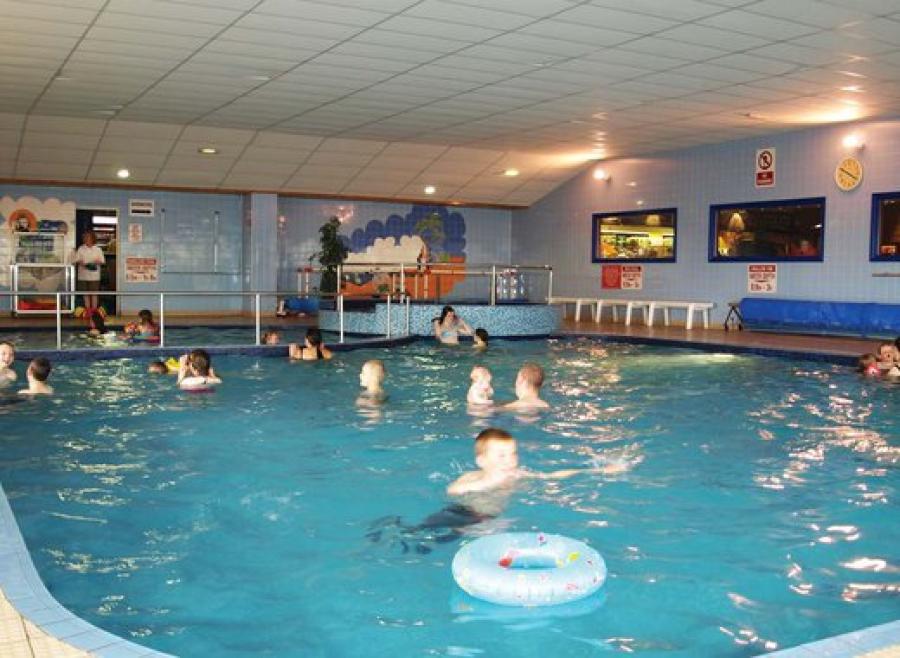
505,561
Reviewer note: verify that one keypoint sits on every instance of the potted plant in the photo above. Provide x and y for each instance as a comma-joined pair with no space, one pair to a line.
333,252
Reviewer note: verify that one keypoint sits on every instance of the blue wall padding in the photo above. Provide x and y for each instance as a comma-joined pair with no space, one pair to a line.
308,305
826,317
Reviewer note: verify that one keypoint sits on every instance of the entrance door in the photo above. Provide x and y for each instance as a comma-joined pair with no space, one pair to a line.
104,222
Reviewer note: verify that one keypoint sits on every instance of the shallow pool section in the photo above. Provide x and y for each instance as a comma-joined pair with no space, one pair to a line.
747,504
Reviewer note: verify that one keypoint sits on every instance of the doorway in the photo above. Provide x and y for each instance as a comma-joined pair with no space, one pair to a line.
104,222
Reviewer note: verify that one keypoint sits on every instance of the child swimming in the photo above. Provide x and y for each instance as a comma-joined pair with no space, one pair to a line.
371,378
867,365
145,329
480,392
271,338
528,389
7,359
313,350
480,339
38,372
195,372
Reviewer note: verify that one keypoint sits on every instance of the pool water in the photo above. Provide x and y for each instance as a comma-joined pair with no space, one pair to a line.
754,506
175,336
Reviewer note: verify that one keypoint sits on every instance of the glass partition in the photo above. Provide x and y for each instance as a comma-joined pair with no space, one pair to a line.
787,230
640,236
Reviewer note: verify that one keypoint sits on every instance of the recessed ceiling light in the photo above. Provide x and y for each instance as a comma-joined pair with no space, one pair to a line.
207,150
640,202
853,141
123,173
430,189
61,78
601,174
856,89
511,172
599,115
106,113
631,183
852,74
260,78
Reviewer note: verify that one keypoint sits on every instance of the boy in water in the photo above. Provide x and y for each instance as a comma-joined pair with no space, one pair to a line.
528,389
480,339
38,372
371,378
480,392
497,458
7,358
195,372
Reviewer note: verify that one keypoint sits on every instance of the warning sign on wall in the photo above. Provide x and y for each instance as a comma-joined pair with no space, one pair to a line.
765,167
762,278
622,277
632,277
611,277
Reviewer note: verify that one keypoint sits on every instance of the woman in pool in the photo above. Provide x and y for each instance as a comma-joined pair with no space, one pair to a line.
449,326
313,350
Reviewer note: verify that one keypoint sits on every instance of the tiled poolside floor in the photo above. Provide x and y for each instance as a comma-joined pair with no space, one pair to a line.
715,335
19,638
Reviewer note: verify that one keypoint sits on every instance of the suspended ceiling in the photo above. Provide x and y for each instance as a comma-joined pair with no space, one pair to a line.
379,98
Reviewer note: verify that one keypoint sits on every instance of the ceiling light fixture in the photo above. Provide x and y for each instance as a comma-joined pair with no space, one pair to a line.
601,174
599,115
123,173
852,74
511,172
640,202
856,89
260,78
631,183
61,78
853,141
207,150
430,189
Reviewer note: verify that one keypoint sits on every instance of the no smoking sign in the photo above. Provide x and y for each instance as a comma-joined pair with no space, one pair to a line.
765,167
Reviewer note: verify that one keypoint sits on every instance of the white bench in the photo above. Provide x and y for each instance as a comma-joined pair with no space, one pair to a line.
631,305
578,301
689,307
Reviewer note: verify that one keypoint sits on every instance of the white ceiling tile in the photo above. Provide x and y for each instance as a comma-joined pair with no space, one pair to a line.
438,29
589,35
537,46
251,181
683,10
467,15
189,177
322,12
131,159
615,19
171,10
797,54
46,27
765,27
664,47
61,13
810,12
51,170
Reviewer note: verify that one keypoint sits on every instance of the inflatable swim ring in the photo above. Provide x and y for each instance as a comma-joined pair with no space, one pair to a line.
528,569
173,365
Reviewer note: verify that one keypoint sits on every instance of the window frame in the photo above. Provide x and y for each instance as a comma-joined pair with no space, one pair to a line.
875,228
595,235
713,255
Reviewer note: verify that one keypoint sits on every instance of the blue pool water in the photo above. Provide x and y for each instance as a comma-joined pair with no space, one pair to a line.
756,508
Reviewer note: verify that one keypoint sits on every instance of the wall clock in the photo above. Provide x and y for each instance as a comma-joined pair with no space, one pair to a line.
848,174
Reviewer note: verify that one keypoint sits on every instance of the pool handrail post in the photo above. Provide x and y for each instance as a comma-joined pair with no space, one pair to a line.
402,280
549,284
58,321
388,332
162,319
256,298
493,285
340,306
407,315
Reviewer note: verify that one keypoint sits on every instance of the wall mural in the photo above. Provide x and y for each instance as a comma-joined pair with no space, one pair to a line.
36,232
426,238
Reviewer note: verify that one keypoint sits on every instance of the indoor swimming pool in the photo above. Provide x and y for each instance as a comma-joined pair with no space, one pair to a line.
749,504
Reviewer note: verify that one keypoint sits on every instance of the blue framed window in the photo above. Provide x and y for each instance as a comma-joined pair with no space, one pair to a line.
635,236
785,230
885,240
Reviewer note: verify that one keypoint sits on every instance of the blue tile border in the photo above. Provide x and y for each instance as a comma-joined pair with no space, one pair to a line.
22,585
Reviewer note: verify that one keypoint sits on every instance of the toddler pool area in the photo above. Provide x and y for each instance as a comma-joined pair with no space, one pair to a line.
748,503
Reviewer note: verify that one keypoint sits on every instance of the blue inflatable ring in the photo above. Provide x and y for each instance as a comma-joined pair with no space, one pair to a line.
528,569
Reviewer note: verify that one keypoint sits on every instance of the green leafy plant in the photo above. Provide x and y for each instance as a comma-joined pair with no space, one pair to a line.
333,252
